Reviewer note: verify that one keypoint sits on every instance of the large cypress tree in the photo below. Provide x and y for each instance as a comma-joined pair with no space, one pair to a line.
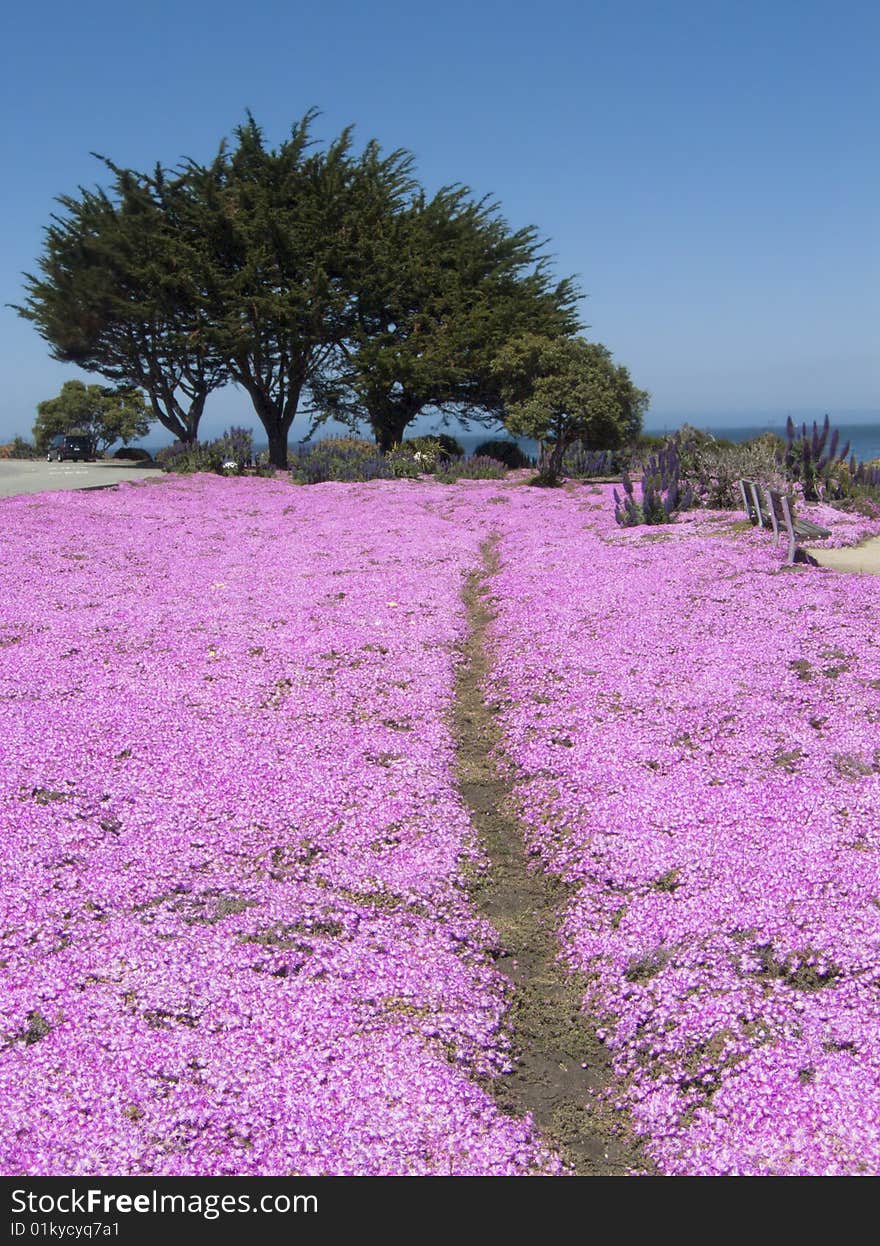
436,292
283,230
117,295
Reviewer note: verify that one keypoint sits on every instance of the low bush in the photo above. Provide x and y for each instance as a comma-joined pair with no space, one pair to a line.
405,464
854,486
184,457
339,458
235,449
715,469
136,454
229,454
582,464
433,448
504,451
663,493
19,448
479,467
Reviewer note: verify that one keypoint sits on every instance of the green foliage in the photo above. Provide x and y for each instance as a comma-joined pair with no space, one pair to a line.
478,467
417,455
339,458
286,230
185,457
561,390
506,452
707,470
718,467
581,463
22,449
408,465
105,415
812,459
228,454
434,446
644,444
855,486
135,454
118,293
293,272
437,291
236,448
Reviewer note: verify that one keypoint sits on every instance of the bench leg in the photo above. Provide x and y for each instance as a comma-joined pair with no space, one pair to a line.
756,499
747,506
789,527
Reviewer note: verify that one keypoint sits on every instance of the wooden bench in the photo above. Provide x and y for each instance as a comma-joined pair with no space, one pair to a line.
752,504
776,511
784,522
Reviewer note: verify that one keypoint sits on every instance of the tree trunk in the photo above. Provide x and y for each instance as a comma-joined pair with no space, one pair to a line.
193,417
183,424
277,445
556,458
389,431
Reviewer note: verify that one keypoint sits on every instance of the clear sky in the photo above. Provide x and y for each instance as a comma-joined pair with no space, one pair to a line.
709,170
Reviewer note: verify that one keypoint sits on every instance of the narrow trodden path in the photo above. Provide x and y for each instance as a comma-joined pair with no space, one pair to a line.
558,1058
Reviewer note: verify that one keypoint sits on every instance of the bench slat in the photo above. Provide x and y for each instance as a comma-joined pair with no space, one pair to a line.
777,512
803,527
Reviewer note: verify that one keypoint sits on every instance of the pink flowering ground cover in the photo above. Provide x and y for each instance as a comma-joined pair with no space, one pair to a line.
232,936
695,739
233,932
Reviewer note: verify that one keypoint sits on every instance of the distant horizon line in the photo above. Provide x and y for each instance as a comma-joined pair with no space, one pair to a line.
662,421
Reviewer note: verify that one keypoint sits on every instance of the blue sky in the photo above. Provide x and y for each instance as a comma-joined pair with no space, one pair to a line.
708,169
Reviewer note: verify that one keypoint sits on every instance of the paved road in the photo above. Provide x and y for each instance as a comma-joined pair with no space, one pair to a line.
38,476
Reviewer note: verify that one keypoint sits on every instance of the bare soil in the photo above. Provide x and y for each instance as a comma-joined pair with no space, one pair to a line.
559,1059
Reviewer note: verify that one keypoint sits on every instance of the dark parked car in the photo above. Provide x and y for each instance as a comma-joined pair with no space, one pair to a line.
70,446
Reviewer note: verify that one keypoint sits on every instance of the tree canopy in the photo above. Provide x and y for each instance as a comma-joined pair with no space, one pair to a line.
316,279
117,295
104,415
284,228
437,291
563,390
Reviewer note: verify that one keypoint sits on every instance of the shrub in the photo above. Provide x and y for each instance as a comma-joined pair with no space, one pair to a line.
717,467
135,453
644,445
21,449
229,453
339,458
185,457
712,467
179,457
662,489
235,449
855,486
581,463
405,464
476,468
504,451
812,459
451,448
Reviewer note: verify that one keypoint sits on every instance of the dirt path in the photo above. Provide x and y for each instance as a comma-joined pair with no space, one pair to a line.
559,1057
862,559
